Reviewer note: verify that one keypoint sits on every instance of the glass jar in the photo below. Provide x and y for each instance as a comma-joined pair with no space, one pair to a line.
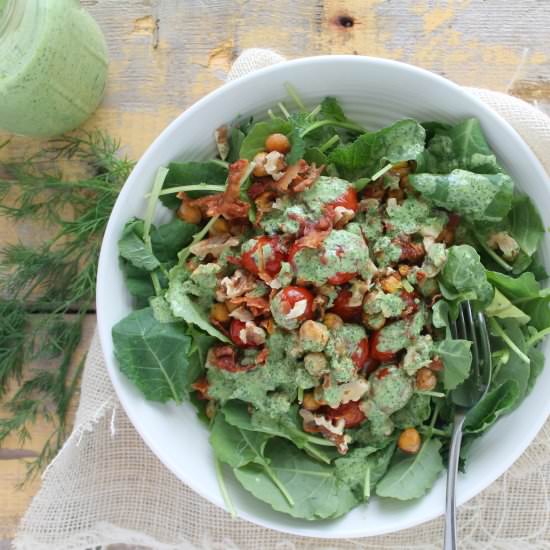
53,66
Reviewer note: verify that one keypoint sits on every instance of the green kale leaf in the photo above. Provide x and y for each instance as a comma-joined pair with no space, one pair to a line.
410,477
168,239
461,146
402,141
132,247
314,489
153,355
457,360
477,197
191,173
497,402
464,277
525,293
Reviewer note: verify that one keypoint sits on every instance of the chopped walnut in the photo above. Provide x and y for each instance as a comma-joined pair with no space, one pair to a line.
507,245
342,216
354,390
252,334
213,245
314,423
275,165
242,314
358,290
222,142
238,284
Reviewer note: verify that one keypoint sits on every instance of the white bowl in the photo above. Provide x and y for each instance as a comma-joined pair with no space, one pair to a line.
375,93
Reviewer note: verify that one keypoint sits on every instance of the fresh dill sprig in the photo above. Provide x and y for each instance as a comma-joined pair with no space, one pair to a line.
46,290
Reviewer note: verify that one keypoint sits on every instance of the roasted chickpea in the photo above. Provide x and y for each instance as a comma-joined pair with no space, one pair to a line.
316,363
392,283
310,403
426,380
332,321
259,162
277,142
189,214
374,322
219,227
219,313
409,441
314,333
404,270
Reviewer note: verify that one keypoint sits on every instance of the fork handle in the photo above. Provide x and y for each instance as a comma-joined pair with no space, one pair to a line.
452,473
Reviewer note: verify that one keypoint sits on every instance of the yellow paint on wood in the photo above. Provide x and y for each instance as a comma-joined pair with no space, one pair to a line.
437,17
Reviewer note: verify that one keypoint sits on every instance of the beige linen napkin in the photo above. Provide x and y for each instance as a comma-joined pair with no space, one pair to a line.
106,486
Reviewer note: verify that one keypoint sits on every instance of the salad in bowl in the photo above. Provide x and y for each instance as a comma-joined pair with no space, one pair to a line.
302,294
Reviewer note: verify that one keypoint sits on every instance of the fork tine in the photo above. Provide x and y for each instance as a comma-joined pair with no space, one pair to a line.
485,349
462,331
472,335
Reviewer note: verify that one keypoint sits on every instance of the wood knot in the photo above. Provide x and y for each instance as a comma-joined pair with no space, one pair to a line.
345,21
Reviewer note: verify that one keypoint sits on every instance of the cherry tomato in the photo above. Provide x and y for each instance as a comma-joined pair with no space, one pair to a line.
291,295
371,365
341,278
342,308
382,356
361,354
410,305
348,200
292,251
272,259
350,412
235,334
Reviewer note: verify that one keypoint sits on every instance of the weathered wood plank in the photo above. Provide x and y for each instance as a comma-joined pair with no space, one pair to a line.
14,502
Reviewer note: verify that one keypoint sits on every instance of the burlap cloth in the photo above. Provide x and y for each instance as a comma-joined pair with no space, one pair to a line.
106,486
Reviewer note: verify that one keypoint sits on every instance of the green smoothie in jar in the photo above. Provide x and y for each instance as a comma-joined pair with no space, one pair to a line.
53,66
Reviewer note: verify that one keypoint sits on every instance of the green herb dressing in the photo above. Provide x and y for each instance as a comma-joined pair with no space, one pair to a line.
53,66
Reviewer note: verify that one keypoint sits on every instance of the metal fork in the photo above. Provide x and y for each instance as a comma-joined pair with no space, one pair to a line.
472,327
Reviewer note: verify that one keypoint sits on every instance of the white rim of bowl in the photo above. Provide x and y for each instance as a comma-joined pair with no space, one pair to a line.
102,288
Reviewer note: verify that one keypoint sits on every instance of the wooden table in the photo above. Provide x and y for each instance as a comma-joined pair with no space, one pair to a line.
165,54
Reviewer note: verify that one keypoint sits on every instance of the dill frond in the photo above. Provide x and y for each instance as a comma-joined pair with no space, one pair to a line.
47,290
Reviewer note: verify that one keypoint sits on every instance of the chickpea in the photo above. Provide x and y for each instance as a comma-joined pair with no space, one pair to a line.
392,283
259,168
314,333
316,363
332,321
219,313
374,322
409,441
219,227
188,213
277,142
310,403
426,380
404,270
